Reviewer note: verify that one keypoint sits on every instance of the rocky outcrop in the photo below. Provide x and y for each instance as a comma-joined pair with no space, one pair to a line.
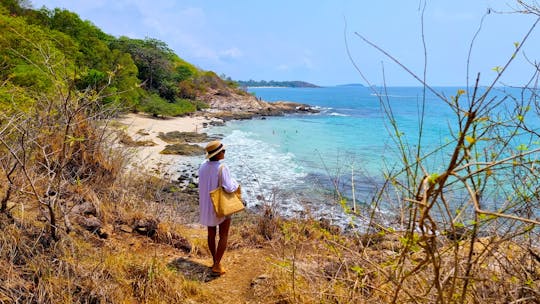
183,149
177,137
230,104
232,100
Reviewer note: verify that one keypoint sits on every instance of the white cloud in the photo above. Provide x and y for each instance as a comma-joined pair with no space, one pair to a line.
185,29
283,67
307,62
302,63
231,53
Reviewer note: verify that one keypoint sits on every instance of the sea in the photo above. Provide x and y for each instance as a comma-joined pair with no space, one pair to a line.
322,164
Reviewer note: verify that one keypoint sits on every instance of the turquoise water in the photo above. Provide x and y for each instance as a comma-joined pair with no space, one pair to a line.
297,161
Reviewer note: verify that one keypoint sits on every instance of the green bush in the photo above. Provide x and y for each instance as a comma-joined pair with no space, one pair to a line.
200,105
92,79
30,76
187,89
157,106
184,72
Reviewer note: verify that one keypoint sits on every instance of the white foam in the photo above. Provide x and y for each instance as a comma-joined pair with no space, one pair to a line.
261,169
338,114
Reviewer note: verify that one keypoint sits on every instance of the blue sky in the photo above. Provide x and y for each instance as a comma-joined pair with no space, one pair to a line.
305,40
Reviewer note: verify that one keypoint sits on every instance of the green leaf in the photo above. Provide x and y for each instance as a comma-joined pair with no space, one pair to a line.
522,147
343,203
432,179
72,140
359,270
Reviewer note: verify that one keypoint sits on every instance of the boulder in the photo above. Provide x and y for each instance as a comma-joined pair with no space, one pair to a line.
183,149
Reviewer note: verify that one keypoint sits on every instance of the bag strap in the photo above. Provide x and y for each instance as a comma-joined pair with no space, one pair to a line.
220,176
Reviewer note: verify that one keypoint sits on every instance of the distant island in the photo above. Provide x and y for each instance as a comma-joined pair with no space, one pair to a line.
272,83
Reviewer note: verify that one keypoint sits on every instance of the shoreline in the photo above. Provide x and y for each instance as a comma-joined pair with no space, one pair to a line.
145,128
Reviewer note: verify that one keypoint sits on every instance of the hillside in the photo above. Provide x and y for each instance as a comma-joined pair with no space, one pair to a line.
131,74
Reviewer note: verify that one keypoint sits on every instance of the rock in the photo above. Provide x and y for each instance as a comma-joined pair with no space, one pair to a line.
216,123
105,231
146,226
260,279
90,223
126,228
183,137
183,149
125,139
84,208
325,224
239,105
231,100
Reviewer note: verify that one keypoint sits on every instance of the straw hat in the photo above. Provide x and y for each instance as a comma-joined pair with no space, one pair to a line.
213,148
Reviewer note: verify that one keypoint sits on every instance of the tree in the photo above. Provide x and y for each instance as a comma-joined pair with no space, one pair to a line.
152,59
16,7
49,140
485,197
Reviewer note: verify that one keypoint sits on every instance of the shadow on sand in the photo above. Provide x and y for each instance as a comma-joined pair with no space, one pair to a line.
193,270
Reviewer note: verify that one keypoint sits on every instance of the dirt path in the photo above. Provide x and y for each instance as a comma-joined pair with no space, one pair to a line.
245,268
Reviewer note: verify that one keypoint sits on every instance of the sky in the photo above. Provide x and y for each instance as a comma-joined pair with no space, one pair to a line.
310,40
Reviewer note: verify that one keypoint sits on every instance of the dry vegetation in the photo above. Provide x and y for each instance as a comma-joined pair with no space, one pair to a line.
78,228
120,237
313,266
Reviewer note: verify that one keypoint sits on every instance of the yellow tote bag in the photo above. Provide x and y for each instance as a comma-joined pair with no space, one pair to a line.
226,203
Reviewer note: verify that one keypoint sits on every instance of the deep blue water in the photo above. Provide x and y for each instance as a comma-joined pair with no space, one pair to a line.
296,162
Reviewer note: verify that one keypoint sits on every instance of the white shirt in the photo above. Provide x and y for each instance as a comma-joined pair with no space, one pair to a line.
208,181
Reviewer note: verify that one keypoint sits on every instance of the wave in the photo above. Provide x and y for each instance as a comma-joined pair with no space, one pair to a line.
269,176
262,170
338,114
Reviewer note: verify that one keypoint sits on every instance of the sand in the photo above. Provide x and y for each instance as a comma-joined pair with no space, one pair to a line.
141,127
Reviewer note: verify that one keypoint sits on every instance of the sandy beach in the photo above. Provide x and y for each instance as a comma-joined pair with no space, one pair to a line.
142,127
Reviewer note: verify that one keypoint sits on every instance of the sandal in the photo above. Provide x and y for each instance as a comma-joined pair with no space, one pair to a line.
218,269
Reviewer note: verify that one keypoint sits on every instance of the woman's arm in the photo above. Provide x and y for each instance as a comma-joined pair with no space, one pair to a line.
228,183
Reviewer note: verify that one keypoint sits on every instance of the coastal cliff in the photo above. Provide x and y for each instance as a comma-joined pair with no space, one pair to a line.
236,104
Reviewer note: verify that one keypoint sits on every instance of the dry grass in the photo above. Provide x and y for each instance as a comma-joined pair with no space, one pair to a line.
311,265
307,263
83,268
78,228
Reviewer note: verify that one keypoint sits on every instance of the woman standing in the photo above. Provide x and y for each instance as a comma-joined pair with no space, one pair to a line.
208,181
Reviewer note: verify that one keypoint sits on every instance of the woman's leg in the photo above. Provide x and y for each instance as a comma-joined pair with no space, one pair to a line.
211,239
222,244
